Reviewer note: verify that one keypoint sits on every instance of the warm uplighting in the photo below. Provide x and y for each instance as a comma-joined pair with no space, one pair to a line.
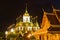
29,35
19,28
12,30
6,32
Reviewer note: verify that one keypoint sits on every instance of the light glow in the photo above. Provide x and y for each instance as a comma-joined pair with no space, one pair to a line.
26,18
6,32
12,30
29,35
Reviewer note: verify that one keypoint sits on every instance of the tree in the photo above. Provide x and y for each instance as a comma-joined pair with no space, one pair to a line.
11,36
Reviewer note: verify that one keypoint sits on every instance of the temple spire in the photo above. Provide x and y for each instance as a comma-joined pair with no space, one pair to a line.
26,12
26,8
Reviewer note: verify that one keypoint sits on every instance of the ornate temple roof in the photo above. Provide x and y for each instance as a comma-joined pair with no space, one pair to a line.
58,14
54,29
53,20
55,24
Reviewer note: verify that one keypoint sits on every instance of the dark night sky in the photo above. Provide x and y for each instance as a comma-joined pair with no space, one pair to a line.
10,9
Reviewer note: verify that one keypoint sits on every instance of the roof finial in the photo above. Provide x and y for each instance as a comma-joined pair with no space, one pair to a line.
43,9
54,10
26,12
26,7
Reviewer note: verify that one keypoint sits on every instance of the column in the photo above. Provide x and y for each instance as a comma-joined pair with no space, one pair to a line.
49,36
45,37
57,36
42,37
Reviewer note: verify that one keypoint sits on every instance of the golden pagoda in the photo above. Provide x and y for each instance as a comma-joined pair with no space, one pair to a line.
24,25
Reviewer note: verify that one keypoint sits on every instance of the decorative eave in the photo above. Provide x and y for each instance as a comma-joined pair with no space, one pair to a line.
54,12
11,26
57,17
18,17
48,13
53,32
54,29
55,25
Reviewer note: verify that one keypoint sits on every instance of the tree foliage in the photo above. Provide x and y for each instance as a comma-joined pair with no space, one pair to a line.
12,35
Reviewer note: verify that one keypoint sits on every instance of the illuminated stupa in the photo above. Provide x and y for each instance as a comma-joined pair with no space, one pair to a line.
24,24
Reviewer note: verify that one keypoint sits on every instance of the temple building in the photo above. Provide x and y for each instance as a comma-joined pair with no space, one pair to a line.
25,24
50,27
28,26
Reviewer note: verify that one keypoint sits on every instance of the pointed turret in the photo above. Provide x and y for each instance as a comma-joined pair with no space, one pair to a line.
31,21
37,22
26,12
26,17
